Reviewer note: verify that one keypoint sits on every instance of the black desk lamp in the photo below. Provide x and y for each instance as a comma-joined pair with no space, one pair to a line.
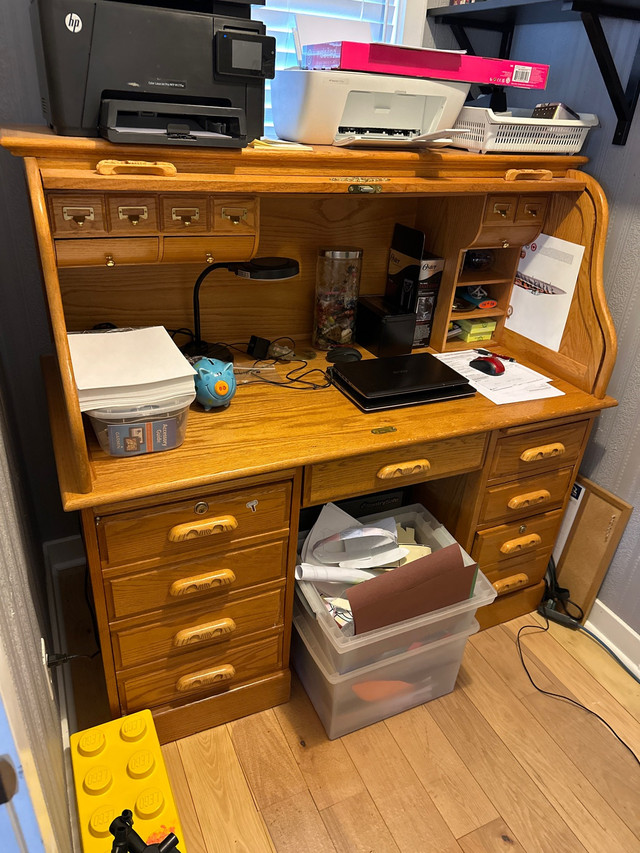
260,269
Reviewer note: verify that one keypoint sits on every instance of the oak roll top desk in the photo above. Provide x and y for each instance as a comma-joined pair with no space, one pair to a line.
191,552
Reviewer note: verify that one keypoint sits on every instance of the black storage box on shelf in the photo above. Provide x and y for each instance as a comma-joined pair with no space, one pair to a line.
382,328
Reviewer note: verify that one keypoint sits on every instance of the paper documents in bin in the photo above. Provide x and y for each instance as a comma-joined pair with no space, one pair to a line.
426,584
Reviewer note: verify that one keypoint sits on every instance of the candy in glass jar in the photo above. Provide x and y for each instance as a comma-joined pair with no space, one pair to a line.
337,287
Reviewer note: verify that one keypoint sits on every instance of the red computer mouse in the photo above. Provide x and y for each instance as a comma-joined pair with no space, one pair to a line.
488,364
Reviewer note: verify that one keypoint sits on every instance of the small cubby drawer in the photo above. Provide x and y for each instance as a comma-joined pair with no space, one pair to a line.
515,541
200,581
235,215
175,633
375,472
525,496
197,675
77,214
107,252
500,209
184,214
186,528
132,214
538,450
207,250
531,209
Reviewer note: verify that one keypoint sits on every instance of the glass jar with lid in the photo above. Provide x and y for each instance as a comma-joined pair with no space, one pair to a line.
337,288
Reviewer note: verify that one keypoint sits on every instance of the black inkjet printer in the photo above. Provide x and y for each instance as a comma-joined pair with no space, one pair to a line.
185,73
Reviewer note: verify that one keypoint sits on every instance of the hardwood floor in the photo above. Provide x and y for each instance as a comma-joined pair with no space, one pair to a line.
493,766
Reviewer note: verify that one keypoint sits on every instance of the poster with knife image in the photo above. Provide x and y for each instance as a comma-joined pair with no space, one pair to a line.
413,279
543,289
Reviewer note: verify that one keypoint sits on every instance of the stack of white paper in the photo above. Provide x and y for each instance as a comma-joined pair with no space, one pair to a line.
132,367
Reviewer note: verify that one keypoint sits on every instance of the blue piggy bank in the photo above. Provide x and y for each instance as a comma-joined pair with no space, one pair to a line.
215,383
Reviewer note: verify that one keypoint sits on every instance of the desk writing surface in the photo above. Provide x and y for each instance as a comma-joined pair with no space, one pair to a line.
267,429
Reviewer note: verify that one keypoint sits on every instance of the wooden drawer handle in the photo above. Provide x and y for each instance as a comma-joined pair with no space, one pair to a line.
530,499
545,451
201,583
204,632
206,527
205,678
404,469
528,175
513,546
509,584
135,167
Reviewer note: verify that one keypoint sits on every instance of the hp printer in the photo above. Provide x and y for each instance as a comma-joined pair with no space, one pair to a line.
176,73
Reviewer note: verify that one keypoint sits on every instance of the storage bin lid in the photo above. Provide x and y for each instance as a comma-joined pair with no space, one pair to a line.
158,410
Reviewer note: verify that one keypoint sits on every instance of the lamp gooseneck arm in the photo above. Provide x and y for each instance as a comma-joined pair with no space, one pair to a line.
196,298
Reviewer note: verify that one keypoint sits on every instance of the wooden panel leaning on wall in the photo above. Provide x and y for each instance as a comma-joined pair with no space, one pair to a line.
216,608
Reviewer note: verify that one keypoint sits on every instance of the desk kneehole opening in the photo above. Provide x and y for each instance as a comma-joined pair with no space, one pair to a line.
205,632
205,678
202,583
404,469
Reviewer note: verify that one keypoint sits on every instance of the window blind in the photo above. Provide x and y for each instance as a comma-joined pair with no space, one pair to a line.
279,19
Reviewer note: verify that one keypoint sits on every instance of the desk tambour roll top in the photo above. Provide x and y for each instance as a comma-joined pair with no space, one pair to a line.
192,551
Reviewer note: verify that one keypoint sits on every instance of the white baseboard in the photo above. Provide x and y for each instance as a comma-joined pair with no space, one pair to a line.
621,639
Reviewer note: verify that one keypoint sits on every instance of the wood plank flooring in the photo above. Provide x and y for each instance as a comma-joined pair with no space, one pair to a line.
493,767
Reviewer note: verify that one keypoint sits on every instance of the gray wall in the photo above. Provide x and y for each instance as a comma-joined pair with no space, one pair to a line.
24,329
613,456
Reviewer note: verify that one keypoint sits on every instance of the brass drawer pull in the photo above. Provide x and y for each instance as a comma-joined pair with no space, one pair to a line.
202,583
109,261
208,527
502,209
545,451
509,584
205,678
204,632
186,215
514,546
530,499
234,214
531,211
79,215
133,214
404,469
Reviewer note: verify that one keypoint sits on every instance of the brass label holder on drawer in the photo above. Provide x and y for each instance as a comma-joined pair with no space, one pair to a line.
79,215
234,214
133,214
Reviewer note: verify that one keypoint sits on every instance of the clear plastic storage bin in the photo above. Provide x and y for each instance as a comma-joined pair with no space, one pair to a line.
133,430
356,699
345,653
515,131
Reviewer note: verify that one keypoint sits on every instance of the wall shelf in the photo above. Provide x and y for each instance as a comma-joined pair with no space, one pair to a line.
503,17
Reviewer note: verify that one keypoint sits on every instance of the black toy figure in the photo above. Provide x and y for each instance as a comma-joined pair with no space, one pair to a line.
127,840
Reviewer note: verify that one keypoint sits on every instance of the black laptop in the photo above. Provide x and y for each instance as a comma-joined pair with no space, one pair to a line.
375,384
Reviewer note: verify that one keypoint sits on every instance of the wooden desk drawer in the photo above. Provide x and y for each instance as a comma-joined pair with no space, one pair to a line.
198,675
110,252
500,209
178,530
328,481
525,496
222,578
519,574
175,632
207,250
235,215
512,541
182,213
131,215
540,449
76,214
531,209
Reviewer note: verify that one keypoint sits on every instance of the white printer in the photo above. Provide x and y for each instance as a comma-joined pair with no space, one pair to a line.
360,108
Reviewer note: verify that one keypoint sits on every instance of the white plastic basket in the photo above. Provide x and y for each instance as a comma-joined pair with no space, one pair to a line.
516,132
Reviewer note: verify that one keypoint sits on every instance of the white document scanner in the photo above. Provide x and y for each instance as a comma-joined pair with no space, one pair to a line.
356,108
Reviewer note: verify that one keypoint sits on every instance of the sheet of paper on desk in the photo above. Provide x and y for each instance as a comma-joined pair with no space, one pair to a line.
543,290
516,385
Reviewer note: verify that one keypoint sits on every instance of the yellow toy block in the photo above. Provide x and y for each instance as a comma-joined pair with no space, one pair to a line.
118,766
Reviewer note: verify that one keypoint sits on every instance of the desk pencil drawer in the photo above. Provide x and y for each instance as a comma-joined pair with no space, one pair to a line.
328,481
543,449
220,578
187,528
110,252
519,574
526,495
207,250
174,633
76,214
512,541
198,675
500,209
182,213
132,214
